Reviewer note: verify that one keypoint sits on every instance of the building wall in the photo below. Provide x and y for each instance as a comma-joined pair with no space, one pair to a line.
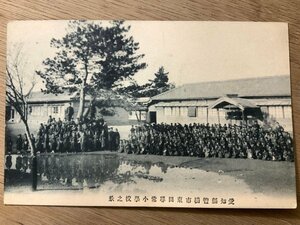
11,115
120,115
39,113
133,115
182,115
278,111
169,114
282,114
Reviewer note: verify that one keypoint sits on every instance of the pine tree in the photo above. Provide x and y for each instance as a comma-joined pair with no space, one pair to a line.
91,58
161,79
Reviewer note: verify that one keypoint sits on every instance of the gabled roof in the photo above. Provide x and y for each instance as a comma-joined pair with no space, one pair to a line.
275,86
238,102
40,97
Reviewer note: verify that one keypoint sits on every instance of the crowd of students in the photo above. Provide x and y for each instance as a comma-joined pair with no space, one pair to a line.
67,136
201,140
215,140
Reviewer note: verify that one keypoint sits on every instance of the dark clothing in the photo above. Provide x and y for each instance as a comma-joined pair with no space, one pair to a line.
8,162
252,141
69,113
9,145
19,144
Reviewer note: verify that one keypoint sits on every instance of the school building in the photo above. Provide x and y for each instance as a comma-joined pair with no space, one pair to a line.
230,101
40,106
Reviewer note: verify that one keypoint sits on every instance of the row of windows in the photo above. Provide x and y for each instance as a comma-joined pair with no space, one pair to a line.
275,111
41,110
191,111
56,109
280,112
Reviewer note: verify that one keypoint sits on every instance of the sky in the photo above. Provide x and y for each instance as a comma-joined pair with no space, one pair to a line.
189,51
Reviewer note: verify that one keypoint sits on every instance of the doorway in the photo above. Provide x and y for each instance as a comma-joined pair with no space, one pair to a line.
152,117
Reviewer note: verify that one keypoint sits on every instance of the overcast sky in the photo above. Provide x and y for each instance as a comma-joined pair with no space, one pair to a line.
189,51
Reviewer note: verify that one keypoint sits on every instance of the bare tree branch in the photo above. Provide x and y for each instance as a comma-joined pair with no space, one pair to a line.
15,86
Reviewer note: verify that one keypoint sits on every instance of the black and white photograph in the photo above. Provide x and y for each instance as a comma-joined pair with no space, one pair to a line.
149,114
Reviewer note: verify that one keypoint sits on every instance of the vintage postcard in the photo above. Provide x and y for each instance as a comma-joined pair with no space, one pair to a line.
149,113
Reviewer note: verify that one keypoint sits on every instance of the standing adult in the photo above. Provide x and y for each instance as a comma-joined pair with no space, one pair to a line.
117,139
83,140
8,161
19,143
9,144
69,112
110,139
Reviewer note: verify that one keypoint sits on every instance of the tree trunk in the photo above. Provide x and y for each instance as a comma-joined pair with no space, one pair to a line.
86,112
27,130
81,104
33,155
82,93
137,117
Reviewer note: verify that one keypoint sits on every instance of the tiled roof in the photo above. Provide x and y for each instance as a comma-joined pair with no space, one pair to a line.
275,86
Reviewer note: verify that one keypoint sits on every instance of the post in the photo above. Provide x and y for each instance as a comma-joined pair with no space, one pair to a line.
243,116
207,115
33,155
81,104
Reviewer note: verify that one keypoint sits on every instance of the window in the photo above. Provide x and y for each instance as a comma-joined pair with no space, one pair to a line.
279,112
272,111
168,111
176,111
184,111
287,110
192,111
55,109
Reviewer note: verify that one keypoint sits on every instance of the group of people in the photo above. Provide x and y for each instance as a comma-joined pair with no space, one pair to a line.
210,140
59,136
201,140
69,136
